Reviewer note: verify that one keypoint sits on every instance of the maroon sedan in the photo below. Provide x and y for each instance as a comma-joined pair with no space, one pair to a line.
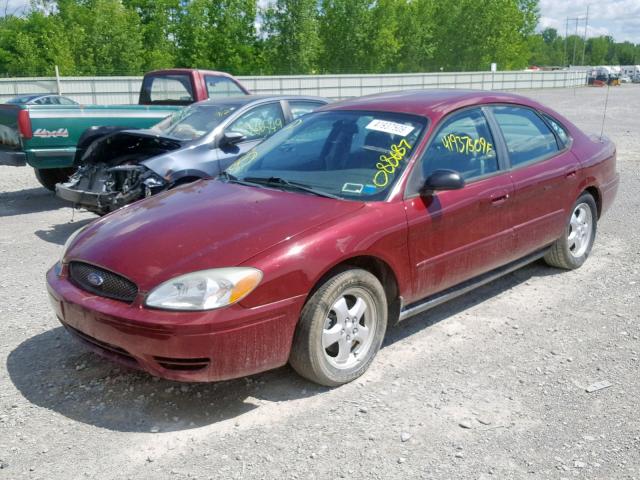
361,214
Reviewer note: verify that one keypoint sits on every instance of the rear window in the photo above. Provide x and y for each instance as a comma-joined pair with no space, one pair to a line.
222,87
167,90
563,136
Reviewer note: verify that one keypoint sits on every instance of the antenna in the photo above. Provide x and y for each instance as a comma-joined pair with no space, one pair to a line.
604,114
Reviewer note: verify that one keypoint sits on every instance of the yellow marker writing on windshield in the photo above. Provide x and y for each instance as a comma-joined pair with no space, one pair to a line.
389,163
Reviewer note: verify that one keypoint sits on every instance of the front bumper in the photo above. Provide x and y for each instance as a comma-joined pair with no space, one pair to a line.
12,159
78,197
186,346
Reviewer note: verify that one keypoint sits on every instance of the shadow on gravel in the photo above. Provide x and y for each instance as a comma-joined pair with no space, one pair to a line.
59,233
31,200
460,304
55,372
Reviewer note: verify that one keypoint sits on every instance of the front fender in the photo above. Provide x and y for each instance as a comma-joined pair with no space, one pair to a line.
295,266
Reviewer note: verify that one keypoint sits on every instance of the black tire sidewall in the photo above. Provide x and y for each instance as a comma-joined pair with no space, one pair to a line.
578,261
313,318
48,177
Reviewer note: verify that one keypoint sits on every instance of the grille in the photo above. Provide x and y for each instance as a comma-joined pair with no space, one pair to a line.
105,283
184,364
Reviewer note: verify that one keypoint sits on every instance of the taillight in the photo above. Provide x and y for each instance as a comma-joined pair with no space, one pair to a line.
24,125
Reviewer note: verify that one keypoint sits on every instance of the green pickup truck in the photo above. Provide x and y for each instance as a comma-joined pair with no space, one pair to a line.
46,136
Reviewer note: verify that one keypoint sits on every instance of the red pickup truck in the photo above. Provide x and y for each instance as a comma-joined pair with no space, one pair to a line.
183,86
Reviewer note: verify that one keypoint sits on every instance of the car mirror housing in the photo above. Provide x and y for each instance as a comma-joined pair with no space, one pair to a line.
231,138
443,180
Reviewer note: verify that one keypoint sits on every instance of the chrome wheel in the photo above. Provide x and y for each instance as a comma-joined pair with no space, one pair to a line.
349,329
580,230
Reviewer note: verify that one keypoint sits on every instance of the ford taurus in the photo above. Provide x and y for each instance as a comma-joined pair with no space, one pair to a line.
358,215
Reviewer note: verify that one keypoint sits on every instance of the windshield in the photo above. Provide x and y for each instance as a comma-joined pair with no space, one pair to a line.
349,154
194,122
24,99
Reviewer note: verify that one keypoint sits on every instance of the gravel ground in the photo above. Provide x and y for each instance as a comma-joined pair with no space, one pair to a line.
492,385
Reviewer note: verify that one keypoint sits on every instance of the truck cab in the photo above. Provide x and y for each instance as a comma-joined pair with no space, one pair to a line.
184,86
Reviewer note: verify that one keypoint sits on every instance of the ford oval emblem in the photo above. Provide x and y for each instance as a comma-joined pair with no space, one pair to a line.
95,279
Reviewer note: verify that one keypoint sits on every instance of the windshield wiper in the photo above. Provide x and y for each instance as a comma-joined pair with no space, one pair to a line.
287,184
227,177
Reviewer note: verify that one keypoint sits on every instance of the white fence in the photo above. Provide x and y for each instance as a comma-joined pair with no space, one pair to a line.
124,90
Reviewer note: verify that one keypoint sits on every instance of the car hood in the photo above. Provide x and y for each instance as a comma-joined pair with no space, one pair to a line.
117,147
206,224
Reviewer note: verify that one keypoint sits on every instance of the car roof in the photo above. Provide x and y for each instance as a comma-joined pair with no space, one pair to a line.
429,103
241,100
30,97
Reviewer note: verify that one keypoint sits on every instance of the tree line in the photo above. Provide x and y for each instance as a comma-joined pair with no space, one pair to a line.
251,37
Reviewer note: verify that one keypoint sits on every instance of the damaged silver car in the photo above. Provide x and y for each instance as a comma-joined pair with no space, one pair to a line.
118,167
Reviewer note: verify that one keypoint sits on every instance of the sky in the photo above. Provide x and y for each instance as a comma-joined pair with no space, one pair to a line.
618,18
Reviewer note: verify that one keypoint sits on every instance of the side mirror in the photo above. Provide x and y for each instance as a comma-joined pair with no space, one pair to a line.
231,138
443,180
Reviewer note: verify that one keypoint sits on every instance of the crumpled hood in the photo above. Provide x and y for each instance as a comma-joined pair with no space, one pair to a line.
206,224
116,146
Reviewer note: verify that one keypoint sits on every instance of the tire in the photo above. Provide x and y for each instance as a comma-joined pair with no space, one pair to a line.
572,249
48,177
329,347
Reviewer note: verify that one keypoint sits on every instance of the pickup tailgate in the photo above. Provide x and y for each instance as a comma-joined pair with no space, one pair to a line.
55,130
10,142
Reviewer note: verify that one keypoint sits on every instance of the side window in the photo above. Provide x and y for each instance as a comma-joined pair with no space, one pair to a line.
167,89
299,108
259,122
463,143
221,87
527,137
559,129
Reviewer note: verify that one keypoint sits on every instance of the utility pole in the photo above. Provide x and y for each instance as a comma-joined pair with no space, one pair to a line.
566,39
577,21
586,25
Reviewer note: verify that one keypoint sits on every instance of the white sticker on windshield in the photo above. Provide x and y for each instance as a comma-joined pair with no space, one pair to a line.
352,188
390,127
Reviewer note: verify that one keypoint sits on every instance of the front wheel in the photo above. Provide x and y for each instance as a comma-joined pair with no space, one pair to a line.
572,249
341,329
48,177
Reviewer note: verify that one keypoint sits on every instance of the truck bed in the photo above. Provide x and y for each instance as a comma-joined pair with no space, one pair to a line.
46,135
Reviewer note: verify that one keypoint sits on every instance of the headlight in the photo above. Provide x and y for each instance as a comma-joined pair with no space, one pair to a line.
70,240
206,289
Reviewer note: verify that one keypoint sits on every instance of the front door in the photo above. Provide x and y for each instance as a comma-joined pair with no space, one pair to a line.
459,234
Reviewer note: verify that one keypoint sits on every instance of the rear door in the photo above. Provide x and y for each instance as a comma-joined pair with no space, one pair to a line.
544,174
459,234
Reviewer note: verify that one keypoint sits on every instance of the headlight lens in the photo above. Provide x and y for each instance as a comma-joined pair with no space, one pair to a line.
69,241
206,289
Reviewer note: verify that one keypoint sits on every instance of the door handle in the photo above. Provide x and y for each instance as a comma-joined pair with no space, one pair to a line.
571,174
499,198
